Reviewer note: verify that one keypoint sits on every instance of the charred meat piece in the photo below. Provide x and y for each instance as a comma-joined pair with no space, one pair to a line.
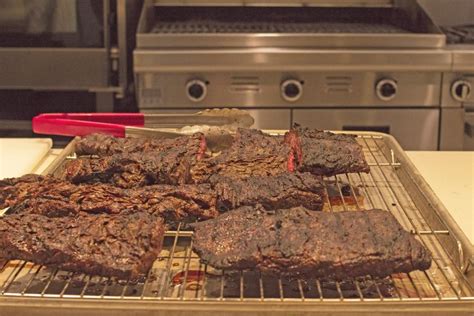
253,153
122,246
106,145
14,190
51,197
325,153
305,150
285,190
160,161
298,242
133,170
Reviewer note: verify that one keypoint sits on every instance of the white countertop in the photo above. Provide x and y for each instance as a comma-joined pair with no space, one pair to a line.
450,175
21,155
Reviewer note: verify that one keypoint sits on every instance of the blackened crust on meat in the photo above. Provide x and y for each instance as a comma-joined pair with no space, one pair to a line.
14,190
326,153
106,145
112,246
285,190
298,242
253,153
186,203
133,170
134,162
27,178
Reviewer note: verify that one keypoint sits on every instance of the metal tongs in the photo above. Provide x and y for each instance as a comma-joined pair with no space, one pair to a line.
139,124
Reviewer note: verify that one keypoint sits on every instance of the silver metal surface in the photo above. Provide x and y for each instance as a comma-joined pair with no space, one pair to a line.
256,88
392,41
463,58
211,122
131,131
419,31
106,70
211,117
331,3
455,113
452,129
53,68
301,60
244,59
415,129
179,284
128,13
469,132
448,79
264,118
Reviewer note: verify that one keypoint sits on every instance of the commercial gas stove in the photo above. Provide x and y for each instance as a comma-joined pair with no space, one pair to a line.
379,65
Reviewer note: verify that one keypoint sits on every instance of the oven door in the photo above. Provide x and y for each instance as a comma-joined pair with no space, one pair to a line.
54,44
415,129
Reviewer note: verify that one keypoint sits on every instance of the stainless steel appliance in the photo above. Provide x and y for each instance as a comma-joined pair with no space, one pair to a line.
458,98
52,45
366,65
458,85
179,284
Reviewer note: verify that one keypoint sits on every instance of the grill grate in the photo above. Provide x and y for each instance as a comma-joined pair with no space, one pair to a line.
178,275
199,27
213,20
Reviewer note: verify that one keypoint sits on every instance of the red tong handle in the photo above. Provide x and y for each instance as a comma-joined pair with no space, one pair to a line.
80,124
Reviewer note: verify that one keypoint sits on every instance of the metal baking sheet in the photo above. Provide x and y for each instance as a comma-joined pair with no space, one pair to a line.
179,283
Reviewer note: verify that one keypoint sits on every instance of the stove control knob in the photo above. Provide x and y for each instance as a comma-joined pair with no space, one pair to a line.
386,89
196,90
291,90
461,90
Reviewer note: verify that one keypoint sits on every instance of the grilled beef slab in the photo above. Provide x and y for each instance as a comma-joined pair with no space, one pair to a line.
132,162
132,170
14,190
185,203
106,145
253,153
304,150
298,242
325,153
122,246
52,197
285,190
